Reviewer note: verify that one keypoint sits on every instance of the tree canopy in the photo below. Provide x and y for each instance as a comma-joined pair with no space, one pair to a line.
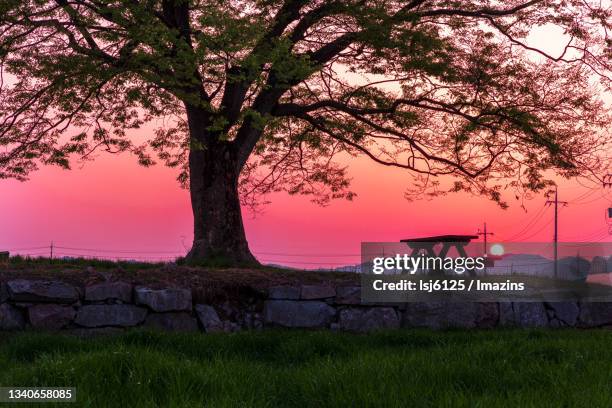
439,88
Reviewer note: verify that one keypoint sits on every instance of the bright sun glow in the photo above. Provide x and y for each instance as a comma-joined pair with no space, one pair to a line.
497,249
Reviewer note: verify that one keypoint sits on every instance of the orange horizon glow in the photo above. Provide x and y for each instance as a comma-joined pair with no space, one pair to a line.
114,206
122,210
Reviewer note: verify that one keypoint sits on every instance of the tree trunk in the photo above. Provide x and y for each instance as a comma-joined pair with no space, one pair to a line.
219,237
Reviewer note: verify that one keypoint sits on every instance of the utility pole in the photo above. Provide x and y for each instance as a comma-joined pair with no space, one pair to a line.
484,233
607,183
51,252
556,203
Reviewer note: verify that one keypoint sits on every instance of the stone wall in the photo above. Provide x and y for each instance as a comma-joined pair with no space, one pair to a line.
108,306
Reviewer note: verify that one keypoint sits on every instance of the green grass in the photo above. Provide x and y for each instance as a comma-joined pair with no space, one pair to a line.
27,262
319,369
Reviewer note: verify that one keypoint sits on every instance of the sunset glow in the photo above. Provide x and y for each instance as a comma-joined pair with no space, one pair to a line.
120,209
112,207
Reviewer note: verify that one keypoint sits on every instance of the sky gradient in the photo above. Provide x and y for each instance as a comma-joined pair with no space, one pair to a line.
119,209
114,206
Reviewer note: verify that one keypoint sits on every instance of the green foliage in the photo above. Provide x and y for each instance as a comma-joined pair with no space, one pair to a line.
439,88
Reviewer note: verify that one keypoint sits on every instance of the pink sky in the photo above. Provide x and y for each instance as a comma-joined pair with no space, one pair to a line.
114,205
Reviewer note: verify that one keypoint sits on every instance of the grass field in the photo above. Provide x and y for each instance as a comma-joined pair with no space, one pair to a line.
319,369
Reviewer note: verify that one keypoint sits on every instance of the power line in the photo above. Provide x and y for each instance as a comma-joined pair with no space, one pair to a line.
304,262
39,253
306,255
584,196
179,252
27,249
119,251
485,234
540,229
136,257
532,221
556,202
602,196
592,234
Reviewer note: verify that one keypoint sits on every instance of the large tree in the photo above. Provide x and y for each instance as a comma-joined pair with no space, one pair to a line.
260,95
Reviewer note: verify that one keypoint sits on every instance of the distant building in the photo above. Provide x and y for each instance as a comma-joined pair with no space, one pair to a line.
609,264
568,268
349,268
520,264
599,264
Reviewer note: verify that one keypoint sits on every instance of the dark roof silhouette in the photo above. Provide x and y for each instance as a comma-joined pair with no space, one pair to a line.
443,238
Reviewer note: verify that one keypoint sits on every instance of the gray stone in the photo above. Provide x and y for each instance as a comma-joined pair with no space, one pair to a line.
563,313
21,290
11,318
317,292
173,321
24,305
109,291
257,322
433,315
213,324
368,319
284,292
209,318
289,313
229,310
230,327
348,295
252,321
4,296
107,276
164,300
595,314
487,315
439,315
110,315
50,316
523,314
